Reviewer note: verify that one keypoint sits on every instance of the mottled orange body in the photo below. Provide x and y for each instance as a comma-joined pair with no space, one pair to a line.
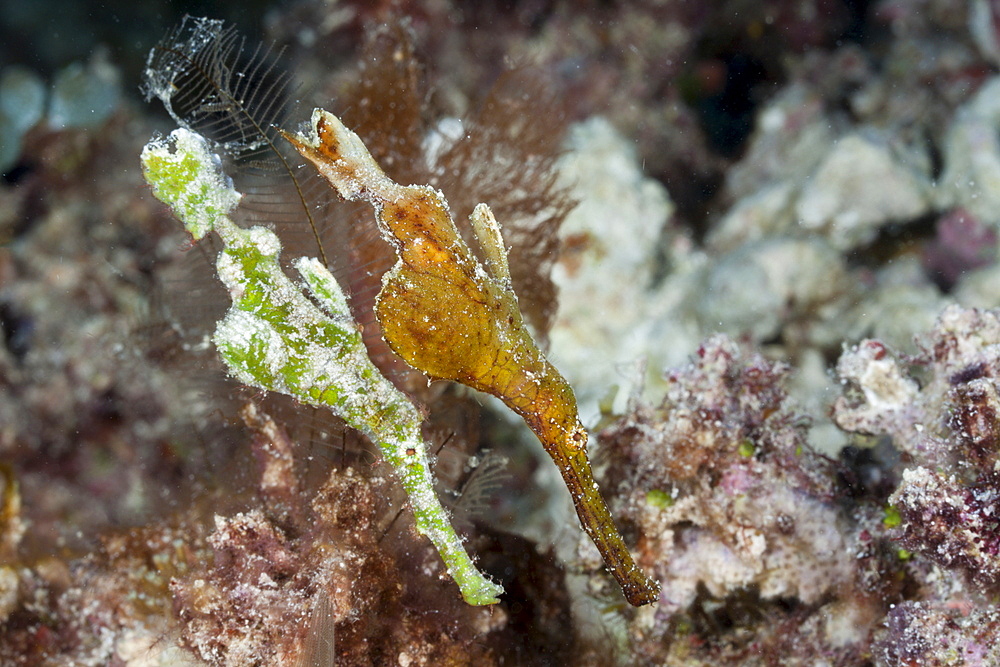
446,316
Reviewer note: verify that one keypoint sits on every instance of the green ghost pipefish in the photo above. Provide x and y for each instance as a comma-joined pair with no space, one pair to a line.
300,339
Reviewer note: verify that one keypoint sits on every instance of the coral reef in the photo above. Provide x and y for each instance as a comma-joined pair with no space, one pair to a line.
944,505
738,517
780,206
946,425
935,635
283,572
722,466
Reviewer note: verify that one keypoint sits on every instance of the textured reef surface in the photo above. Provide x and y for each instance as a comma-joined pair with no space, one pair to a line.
759,241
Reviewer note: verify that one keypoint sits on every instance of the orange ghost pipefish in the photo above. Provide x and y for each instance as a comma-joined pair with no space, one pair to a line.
446,316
